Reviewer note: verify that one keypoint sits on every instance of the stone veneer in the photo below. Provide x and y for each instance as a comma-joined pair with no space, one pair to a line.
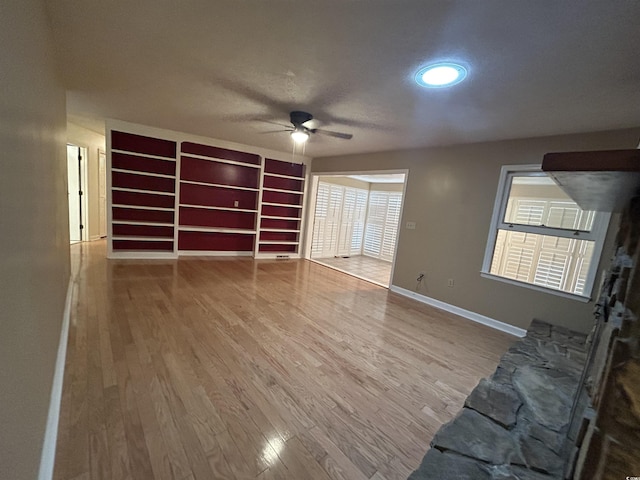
514,424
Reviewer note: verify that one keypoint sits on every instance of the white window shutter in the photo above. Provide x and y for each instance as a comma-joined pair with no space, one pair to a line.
359,218
322,208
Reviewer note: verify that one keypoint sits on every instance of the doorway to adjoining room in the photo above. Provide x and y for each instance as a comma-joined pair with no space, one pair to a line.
77,179
356,218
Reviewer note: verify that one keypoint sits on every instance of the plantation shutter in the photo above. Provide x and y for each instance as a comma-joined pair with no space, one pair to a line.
390,230
320,219
332,226
381,227
346,222
553,260
520,252
359,218
374,228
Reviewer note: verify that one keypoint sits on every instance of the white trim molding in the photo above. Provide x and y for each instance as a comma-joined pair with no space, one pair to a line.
468,314
47,459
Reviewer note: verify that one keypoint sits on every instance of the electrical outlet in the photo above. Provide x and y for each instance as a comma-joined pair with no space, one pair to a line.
411,225
450,282
236,203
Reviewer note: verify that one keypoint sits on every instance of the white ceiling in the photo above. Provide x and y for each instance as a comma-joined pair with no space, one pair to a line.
224,69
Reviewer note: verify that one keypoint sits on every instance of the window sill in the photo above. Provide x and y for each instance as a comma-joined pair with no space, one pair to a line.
559,293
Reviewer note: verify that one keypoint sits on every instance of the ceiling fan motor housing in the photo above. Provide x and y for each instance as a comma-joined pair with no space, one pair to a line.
298,118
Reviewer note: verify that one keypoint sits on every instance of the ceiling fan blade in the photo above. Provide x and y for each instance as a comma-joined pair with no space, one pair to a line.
276,131
283,125
345,136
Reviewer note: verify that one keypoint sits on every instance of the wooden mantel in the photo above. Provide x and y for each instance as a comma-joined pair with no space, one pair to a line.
600,180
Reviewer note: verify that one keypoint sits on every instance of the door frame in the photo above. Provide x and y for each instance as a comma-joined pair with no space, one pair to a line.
311,207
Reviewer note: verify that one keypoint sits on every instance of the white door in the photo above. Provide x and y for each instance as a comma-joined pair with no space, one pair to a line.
73,193
102,189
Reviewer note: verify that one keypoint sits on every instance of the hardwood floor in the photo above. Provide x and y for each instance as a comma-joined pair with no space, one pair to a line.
361,266
232,368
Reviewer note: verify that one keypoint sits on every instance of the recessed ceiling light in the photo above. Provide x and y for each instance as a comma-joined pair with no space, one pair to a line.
440,75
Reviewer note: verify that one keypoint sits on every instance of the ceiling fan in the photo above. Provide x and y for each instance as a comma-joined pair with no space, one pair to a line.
301,130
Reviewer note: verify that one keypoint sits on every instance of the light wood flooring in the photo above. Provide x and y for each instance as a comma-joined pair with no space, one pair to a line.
242,369
368,268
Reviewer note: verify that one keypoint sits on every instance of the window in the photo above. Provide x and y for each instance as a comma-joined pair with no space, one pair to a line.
541,238
339,221
381,228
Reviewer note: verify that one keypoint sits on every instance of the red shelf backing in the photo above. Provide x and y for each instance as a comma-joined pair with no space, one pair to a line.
143,199
283,168
198,170
142,231
225,242
126,161
216,152
276,223
201,217
141,144
281,197
276,211
279,236
217,196
278,248
142,245
151,216
142,182
283,183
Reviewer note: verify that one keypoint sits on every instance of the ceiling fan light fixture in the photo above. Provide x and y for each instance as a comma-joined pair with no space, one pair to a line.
439,75
299,135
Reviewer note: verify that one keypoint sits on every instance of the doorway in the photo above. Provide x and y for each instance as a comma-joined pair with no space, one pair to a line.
76,173
355,223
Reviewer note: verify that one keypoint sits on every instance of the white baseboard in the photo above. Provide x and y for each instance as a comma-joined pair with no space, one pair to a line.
140,255
47,459
213,253
473,316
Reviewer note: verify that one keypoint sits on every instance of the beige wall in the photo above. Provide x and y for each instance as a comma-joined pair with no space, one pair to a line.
450,192
34,233
93,142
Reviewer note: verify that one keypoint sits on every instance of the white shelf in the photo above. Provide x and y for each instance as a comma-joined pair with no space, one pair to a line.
275,242
144,174
272,217
137,190
282,230
220,160
143,207
214,253
232,187
295,192
284,176
146,155
145,224
227,209
288,205
145,239
189,228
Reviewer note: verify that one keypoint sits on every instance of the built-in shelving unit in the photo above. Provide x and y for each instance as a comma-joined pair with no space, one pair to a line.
281,208
173,194
143,179
218,200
